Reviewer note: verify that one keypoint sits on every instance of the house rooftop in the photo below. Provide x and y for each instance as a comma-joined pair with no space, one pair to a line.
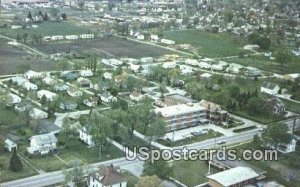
234,176
179,109
109,175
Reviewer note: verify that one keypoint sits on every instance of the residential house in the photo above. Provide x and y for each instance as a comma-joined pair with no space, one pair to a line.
50,96
19,80
74,92
70,76
147,60
71,37
107,97
186,70
169,65
42,144
86,73
168,42
68,105
10,145
91,101
135,68
154,38
32,75
85,135
288,148
107,176
23,106
107,75
275,105
205,76
269,88
84,82
192,62
29,86
36,113
49,81
61,87
136,96
14,99
46,126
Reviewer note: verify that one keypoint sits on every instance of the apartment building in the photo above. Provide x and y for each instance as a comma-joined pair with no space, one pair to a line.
182,116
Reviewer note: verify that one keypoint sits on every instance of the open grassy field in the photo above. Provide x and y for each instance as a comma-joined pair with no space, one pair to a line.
7,175
209,44
191,173
266,64
114,47
12,59
46,29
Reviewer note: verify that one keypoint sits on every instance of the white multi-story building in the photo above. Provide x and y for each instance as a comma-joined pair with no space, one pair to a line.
182,116
42,144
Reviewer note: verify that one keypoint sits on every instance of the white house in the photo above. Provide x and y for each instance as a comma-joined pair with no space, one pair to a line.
269,88
168,42
85,136
29,86
86,36
10,145
107,97
135,68
50,96
42,144
49,81
72,37
32,75
19,80
58,37
147,60
169,65
14,99
154,38
192,62
107,176
288,148
36,113
107,75
86,73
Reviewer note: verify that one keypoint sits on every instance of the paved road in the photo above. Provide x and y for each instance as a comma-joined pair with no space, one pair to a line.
58,177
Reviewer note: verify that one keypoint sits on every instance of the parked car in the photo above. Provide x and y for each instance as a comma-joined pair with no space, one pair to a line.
221,142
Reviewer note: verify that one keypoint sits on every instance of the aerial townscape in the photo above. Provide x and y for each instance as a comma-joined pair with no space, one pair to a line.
90,88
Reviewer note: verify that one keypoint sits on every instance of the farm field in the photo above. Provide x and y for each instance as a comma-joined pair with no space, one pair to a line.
114,47
45,29
12,59
209,44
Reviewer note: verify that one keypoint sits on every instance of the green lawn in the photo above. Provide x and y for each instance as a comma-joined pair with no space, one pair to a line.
191,173
46,29
7,175
131,179
210,44
292,106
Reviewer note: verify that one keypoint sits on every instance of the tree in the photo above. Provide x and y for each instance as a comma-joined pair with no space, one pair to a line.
156,129
2,146
282,56
276,134
81,4
76,174
159,167
64,16
46,17
234,91
149,181
257,141
29,16
15,162
101,129
66,126
120,104
63,64
255,106
54,12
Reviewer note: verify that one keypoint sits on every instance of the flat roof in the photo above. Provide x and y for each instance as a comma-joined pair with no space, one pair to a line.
234,176
179,109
